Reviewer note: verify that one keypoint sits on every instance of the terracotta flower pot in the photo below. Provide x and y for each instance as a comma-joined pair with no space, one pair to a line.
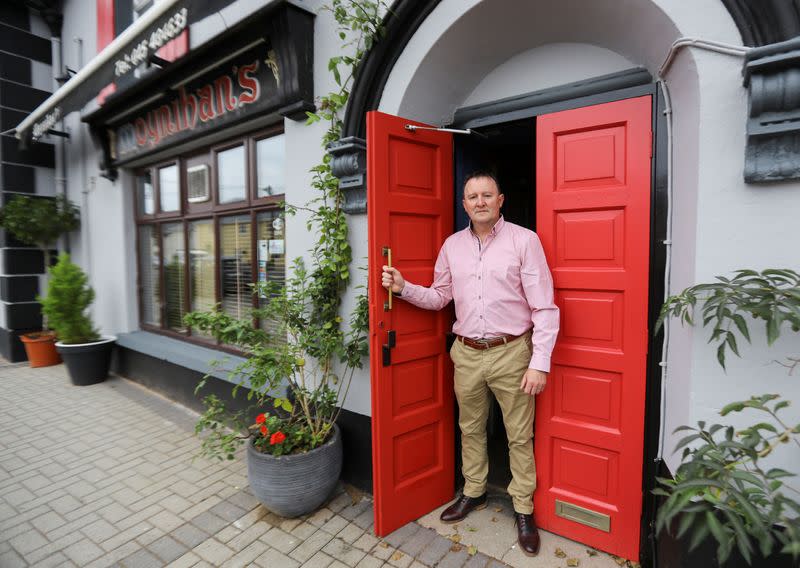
41,348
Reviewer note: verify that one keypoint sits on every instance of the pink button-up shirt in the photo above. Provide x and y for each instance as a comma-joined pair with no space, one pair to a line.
501,287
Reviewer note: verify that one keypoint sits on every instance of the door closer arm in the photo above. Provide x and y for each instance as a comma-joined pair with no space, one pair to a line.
414,128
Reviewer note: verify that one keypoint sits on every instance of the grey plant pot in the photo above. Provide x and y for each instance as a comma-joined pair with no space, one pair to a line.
296,484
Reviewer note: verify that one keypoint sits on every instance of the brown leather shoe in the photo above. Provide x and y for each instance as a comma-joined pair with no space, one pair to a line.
527,534
462,507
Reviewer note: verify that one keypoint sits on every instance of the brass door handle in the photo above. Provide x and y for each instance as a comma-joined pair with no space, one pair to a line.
387,252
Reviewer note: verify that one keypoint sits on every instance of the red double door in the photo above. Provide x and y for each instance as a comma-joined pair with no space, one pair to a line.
593,218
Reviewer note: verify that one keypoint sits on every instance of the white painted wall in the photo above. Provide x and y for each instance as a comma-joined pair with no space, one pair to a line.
546,66
471,51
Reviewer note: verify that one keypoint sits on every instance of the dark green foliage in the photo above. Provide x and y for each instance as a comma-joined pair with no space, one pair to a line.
68,297
308,338
772,295
722,490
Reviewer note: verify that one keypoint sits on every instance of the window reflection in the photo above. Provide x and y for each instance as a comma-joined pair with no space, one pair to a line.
174,262
231,175
169,188
236,272
270,166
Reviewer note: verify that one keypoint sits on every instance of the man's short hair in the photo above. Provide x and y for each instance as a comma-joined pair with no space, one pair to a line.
481,174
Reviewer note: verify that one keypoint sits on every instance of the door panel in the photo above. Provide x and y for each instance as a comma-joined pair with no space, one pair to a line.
593,218
410,197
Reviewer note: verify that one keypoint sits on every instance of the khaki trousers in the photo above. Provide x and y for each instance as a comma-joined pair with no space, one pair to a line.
499,369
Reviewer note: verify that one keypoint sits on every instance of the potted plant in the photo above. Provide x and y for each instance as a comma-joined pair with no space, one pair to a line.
294,448
86,353
40,221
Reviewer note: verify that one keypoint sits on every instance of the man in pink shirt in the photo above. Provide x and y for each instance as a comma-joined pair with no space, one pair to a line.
497,275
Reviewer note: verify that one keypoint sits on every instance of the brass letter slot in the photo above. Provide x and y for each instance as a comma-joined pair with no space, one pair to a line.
583,516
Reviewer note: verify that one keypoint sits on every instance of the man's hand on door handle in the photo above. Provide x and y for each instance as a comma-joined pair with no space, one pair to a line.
393,280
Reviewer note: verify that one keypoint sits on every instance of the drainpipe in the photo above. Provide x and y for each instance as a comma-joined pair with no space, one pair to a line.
88,185
61,169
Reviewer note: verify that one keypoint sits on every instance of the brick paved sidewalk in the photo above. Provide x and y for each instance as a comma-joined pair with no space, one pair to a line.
106,475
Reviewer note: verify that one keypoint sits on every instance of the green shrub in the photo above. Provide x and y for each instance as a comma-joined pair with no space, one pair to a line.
68,297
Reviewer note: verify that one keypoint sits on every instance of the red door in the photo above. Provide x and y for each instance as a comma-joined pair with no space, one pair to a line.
593,218
410,214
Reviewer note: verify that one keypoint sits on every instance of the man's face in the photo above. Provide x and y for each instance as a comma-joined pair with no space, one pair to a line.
482,201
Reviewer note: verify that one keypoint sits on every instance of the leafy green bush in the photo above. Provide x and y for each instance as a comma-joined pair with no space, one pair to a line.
39,221
68,297
722,490
304,315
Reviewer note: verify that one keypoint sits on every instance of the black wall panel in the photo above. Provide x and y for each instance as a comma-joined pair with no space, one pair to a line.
17,177
18,288
20,97
15,68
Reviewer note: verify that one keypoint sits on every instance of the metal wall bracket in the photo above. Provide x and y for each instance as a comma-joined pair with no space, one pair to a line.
349,164
772,76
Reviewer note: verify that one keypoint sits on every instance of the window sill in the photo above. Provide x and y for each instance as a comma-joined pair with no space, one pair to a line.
181,353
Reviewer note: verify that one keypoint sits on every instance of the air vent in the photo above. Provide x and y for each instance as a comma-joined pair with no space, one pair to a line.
197,181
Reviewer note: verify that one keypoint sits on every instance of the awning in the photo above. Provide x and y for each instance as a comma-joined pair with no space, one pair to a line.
136,45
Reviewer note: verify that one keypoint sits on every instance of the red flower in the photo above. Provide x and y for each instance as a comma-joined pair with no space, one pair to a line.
277,438
260,419
264,431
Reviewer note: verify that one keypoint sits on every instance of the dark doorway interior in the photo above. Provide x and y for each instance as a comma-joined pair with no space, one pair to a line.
508,151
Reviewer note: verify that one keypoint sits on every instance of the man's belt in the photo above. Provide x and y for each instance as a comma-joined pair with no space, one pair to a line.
487,343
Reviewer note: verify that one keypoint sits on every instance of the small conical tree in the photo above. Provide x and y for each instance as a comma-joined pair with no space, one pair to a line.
68,298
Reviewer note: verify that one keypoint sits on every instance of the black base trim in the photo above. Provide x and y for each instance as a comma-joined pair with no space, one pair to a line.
178,383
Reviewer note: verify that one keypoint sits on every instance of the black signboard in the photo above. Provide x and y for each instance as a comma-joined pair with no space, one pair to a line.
261,66
245,85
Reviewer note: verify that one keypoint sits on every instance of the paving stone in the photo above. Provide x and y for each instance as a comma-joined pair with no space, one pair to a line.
320,517
115,556
366,542
167,548
213,552
247,556
246,537
276,558
354,511
11,559
65,504
435,550
166,521
47,522
186,561
350,533
189,535
340,502
83,552
125,536
99,531
400,559
477,561
382,550
334,525
402,534
244,500
18,497
454,559
142,559
304,530
209,522
370,562
28,542
343,552
57,560
418,541
365,519
310,546
228,511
